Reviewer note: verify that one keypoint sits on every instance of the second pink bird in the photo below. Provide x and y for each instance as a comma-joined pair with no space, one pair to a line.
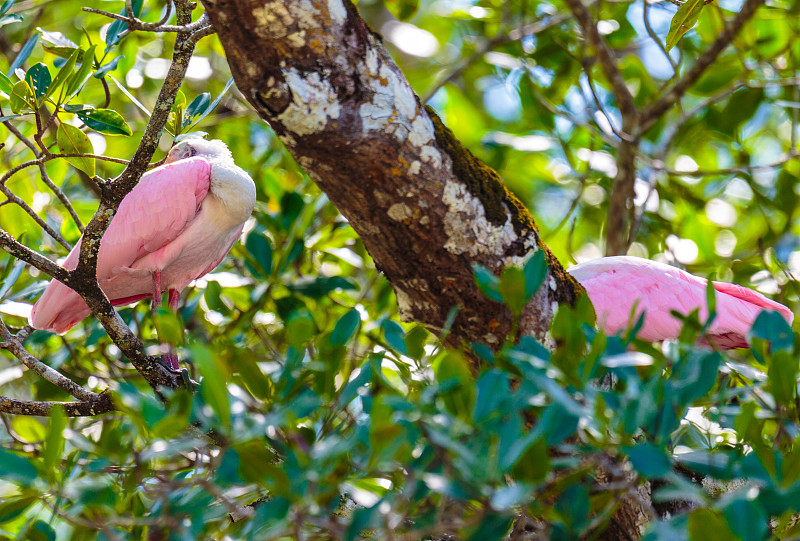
616,284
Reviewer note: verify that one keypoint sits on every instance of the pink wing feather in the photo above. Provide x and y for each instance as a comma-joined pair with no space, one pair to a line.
153,214
616,284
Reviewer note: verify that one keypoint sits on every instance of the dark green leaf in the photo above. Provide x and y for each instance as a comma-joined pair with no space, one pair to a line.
705,524
41,531
344,329
487,282
196,108
747,519
38,77
512,288
770,326
260,248
6,6
395,335
105,121
11,508
16,468
169,326
649,460
535,271
319,287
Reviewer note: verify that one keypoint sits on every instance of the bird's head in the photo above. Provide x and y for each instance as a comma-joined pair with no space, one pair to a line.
195,146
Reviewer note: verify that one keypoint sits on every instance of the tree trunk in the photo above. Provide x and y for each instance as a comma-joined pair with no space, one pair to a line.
424,206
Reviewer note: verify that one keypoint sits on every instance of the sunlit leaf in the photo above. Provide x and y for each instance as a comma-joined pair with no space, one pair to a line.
71,140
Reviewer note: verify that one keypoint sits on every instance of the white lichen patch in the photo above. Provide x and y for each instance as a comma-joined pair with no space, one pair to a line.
297,39
414,167
421,131
469,231
399,212
552,283
404,308
337,11
432,156
314,103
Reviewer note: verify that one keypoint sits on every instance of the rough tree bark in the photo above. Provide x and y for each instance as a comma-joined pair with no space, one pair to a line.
424,206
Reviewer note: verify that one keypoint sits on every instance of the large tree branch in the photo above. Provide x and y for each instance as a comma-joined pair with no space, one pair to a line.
425,207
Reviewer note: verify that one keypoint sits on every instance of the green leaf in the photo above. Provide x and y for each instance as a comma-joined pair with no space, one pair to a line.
213,386
40,531
168,326
9,280
345,328
12,508
64,73
212,296
487,282
402,9
38,77
300,328
683,21
22,97
705,524
24,53
253,378
395,335
6,6
196,108
105,121
747,519
649,460
75,83
512,288
770,326
5,84
319,287
452,366
71,140
54,442
535,272
782,371
117,29
260,249
16,469
492,528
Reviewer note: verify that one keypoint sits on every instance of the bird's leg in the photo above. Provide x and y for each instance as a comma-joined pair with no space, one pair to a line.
171,357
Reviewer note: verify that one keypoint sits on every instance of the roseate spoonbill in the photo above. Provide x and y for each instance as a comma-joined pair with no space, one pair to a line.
615,284
175,226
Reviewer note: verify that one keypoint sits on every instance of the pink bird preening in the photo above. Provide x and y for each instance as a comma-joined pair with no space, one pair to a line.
175,226
616,284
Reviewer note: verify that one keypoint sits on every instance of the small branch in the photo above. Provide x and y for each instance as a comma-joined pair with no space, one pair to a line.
28,210
652,113
10,342
102,404
605,56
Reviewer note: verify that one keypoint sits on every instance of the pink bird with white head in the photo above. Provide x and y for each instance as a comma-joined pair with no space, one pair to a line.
615,284
175,226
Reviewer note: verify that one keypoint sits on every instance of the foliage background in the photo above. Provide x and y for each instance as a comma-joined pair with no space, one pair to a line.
313,387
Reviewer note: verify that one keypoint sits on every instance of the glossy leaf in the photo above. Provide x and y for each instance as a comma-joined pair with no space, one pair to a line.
105,121
23,54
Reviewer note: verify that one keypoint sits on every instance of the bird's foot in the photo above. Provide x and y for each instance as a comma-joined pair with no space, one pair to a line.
170,360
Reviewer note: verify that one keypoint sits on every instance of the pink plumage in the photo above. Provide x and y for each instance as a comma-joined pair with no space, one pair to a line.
616,284
176,225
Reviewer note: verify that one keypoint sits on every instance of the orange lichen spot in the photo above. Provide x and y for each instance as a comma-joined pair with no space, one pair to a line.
395,171
383,81
402,161
493,324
